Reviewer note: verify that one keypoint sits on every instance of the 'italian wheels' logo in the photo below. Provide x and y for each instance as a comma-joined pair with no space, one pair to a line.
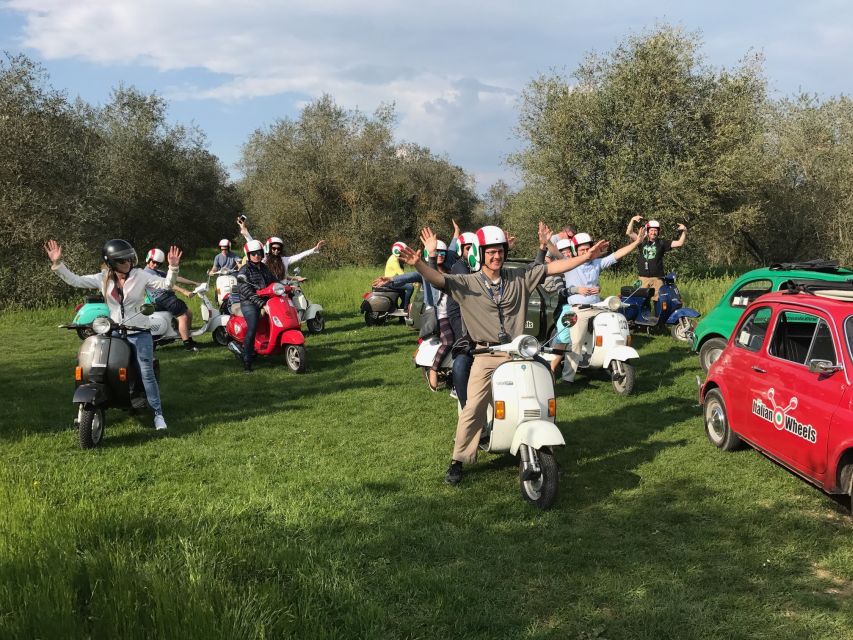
781,418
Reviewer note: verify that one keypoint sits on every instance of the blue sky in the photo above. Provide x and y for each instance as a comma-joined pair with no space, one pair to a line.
454,69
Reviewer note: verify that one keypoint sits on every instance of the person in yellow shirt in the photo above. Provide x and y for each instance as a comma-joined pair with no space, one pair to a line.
394,267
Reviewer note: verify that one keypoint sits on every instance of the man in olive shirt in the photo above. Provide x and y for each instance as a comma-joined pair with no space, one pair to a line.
493,302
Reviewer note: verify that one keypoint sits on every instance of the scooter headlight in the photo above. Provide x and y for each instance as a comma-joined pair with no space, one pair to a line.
101,325
614,303
528,347
278,289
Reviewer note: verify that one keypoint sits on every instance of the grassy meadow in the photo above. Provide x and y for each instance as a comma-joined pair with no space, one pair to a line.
313,506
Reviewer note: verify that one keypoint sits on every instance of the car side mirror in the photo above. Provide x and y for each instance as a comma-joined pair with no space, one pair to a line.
146,309
823,367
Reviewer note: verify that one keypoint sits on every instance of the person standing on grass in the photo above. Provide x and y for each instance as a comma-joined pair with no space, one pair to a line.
650,257
493,302
123,287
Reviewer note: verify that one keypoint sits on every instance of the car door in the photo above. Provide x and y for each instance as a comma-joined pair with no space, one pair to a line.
738,364
794,407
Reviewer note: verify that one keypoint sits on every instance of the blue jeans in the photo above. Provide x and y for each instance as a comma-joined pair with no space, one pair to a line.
406,290
461,371
251,314
142,346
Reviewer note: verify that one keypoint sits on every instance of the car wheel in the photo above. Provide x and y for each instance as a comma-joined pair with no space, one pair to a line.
710,351
717,426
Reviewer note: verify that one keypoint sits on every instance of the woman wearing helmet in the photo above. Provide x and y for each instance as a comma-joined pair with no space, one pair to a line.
225,259
446,311
123,287
253,276
275,248
650,256
166,300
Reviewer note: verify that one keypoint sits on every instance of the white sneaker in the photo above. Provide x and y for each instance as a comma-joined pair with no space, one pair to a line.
453,394
160,422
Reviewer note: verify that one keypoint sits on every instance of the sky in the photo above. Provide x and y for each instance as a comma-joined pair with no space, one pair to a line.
454,70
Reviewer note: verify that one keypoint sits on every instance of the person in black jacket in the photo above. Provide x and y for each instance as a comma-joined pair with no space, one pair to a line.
255,275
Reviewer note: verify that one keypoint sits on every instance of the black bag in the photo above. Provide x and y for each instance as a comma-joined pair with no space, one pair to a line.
429,323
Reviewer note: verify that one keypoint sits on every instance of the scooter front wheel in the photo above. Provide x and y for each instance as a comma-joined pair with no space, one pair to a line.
623,380
91,427
540,490
682,330
295,358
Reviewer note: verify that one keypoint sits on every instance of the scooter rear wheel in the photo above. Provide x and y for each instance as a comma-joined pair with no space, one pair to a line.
316,324
541,491
295,358
220,336
91,427
373,319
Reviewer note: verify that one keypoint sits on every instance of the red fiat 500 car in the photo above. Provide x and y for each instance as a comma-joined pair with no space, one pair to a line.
783,383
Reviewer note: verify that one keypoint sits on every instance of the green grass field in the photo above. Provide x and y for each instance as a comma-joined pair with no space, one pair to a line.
313,506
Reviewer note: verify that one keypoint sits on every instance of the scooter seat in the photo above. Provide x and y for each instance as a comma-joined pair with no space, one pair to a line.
642,292
235,310
386,291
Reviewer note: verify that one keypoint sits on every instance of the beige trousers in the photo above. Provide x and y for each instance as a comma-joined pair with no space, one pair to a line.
657,283
579,332
473,416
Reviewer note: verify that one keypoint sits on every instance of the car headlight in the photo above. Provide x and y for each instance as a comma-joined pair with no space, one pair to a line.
101,325
528,347
278,289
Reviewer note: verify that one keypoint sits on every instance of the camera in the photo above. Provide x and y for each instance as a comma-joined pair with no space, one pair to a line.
241,218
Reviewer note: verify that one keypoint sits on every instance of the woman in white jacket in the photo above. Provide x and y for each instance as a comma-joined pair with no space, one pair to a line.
123,287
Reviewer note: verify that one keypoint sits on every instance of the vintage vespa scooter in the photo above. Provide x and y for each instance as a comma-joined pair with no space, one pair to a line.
106,375
164,327
524,409
379,304
309,312
669,311
607,344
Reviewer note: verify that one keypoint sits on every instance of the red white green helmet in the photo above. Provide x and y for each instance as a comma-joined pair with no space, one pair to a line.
653,224
225,243
156,255
252,245
485,237
397,247
466,238
580,239
439,246
271,241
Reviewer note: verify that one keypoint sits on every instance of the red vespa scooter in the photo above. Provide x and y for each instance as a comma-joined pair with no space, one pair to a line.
278,329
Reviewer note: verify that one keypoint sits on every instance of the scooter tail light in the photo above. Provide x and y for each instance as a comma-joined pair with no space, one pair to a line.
552,408
122,374
365,296
599,341
78,374
629,340
78,307
663,306
500,410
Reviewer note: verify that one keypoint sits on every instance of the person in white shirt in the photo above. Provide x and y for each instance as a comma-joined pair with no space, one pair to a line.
275,248
123,286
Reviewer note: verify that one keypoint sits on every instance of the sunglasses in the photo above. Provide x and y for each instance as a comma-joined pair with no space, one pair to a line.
122,260
256,253
275,247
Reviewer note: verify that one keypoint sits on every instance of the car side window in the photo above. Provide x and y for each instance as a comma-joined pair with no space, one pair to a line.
793,336
822,347
748,292
752,330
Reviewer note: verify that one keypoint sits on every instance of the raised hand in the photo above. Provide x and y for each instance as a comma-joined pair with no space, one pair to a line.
455,228
599,249
510,241
53,250
430,241
409,256
681,227
641,234
319,245
544,233
636,218
174,256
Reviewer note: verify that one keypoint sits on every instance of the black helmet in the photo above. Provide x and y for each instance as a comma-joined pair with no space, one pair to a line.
115,250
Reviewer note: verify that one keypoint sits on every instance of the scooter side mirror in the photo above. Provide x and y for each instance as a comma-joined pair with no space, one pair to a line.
241,278
570,319
146,309
297,271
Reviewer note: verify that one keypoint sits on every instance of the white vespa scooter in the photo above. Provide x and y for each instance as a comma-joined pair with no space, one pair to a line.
608,345
310,313
524,409
424,356
226,282
164,327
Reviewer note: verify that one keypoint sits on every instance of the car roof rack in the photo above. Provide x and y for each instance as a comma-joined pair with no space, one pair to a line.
824,266
842,290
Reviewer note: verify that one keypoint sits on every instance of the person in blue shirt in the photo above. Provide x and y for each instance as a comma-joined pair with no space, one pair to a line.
583,289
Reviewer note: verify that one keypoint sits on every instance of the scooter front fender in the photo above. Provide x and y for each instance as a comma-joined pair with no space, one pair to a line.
621,353
95,394
684,312
536,434
292,336
313,310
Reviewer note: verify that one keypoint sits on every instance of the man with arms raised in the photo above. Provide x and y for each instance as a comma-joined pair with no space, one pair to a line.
493,302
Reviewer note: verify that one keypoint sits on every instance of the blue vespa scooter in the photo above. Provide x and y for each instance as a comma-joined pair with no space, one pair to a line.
669,311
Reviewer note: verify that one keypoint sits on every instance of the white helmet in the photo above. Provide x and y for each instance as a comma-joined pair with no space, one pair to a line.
565,243
439,246
156,255
653,224
271,241
396,247
578,240
225,243
485,237
253,245
466,238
